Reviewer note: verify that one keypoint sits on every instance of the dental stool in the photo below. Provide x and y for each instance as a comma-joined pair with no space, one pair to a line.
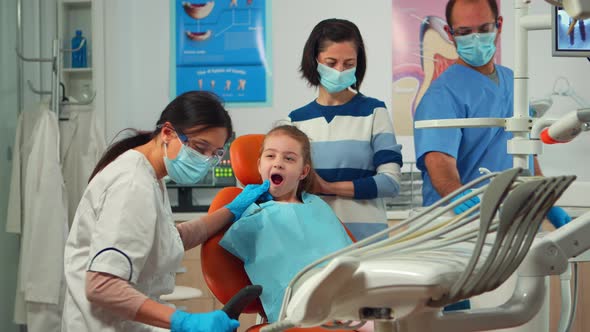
224,274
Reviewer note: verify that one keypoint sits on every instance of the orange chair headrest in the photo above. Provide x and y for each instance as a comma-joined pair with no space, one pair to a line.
244,152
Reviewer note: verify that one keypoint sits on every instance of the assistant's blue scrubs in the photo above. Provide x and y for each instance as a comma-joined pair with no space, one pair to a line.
463,93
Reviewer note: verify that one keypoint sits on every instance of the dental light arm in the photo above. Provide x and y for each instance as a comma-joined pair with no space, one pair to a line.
567,128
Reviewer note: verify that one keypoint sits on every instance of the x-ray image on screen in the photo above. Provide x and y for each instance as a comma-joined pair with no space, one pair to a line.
577,43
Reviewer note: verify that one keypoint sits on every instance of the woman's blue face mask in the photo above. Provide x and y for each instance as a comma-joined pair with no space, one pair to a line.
335,81
189,166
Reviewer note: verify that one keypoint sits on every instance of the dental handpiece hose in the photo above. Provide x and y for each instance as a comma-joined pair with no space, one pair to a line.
567,128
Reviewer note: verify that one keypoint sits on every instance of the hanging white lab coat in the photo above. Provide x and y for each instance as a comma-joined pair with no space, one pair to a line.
82,144
22,149
45,228
42,219
15,212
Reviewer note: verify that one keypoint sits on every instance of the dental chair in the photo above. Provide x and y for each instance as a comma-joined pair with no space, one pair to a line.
224,274
402,282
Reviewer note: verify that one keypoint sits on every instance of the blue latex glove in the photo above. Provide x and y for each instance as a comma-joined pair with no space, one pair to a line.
465,205
558,217
215,321
249,195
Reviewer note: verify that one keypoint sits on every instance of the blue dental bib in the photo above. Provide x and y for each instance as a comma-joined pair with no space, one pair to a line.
276,240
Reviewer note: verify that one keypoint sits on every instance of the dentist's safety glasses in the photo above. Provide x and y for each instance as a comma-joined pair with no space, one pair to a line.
211,154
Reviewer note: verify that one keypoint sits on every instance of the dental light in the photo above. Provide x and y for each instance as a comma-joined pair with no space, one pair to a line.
563,130
567,128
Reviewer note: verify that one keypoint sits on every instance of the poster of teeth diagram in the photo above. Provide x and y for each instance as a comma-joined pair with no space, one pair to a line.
221,47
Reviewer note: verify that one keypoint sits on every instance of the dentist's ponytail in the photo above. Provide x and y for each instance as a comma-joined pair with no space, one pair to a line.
189,110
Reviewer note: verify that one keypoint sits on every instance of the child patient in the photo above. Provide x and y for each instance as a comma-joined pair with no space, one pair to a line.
277,238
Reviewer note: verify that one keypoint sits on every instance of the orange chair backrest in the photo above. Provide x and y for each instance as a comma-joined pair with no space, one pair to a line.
224,274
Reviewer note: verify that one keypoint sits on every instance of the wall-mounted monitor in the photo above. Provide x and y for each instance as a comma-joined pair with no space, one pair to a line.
576,43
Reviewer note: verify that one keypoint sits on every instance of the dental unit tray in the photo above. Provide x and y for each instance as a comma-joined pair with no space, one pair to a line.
430,260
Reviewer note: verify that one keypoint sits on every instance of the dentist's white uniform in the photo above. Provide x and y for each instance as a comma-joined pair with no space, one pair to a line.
123,227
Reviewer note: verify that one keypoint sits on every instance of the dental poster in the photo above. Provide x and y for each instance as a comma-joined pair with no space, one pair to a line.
220,47
422,50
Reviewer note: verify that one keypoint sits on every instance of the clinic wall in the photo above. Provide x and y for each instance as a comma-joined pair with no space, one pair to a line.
8,115
137,76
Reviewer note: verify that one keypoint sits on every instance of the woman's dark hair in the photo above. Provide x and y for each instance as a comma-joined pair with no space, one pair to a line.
451,5
295,133
323,34
185,112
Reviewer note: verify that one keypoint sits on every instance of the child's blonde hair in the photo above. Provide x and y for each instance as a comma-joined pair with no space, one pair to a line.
295,133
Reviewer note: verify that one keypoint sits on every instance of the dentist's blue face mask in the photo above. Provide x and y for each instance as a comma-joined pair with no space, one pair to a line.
189,166
476,49
335,81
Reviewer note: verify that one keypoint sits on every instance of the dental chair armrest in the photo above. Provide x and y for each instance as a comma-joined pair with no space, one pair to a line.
549,255
234,307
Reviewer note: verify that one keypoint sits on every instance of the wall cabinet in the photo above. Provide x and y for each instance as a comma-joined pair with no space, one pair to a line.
82,84
76,15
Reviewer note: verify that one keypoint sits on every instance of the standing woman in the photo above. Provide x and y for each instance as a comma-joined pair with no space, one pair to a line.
123,249
356,157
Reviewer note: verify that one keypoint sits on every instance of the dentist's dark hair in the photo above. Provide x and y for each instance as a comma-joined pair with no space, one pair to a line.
451,4
187,111
325,33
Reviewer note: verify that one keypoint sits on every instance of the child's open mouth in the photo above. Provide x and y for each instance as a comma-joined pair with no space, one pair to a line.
276,179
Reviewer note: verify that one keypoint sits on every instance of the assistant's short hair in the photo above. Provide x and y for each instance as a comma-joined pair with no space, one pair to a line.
451,4
329,31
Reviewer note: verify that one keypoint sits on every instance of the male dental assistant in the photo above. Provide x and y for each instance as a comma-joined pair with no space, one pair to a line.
473,87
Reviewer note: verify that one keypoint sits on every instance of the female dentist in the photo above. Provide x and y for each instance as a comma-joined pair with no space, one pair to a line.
123,249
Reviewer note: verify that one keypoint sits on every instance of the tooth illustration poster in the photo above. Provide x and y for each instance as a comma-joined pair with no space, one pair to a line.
221,47
422,50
